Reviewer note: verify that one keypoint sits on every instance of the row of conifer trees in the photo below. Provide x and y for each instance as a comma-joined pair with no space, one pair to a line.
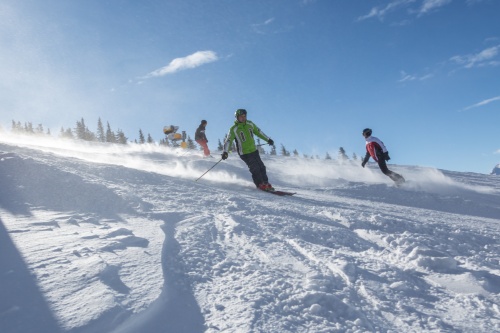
82,132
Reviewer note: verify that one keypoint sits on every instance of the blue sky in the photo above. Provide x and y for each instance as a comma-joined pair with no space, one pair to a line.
423,74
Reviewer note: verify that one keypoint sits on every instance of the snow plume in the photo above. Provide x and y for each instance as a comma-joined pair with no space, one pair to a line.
148,157
326,173
435,181
314,172
191,61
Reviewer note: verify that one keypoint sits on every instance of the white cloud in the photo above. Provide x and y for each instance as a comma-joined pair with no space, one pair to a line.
429,5
481,59
191,61
482,103
258,27
406,77
381,12
409,77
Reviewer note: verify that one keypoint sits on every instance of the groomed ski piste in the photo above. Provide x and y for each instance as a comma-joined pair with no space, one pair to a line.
111,238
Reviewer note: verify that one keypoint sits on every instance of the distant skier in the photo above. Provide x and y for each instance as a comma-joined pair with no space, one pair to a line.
377,150
242,132
201,138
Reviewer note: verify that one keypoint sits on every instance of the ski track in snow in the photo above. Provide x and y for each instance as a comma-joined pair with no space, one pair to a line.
126,241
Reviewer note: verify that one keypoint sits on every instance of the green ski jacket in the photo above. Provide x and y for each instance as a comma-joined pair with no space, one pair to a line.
243,135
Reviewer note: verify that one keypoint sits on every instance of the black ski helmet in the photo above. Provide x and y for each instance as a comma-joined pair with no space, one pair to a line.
367,132
240,112
203,122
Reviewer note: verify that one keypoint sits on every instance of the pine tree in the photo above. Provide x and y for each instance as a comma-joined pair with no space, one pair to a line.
28,128
66,134
150,139
342,155
295,153
284,152
101,137
354,157
110,135
220,147
39,129
273,150
80,129
90,136
328,157
69,134
141,137
16,127
120,137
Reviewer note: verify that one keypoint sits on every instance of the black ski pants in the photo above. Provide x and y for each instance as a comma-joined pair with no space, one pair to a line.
256,167
385,170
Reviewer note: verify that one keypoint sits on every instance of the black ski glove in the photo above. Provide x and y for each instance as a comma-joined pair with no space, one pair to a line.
363,164
271,142
224,155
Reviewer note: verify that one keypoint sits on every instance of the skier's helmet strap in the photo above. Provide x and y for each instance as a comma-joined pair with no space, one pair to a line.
240,112
367,132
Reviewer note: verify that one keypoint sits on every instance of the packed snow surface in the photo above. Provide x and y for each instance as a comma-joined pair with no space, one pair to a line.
122,239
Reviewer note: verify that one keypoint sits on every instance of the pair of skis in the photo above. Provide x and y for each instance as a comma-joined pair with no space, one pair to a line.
280,193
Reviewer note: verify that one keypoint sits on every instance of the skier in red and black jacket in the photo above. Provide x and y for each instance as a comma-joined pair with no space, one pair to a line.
376,149
201,138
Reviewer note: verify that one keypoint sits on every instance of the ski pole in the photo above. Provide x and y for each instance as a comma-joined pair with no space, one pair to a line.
209,170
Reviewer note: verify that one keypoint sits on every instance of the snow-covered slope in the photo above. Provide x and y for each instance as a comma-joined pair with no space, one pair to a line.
122,239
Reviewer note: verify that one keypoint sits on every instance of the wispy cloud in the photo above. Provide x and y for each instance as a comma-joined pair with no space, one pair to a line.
487,57
424,7
405,77
381,11
482,103
430,5
259,27
178,64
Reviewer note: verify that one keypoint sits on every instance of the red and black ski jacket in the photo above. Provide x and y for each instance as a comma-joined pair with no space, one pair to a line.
376,149
200,134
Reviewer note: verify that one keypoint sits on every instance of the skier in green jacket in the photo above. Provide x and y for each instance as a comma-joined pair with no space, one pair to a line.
242,132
